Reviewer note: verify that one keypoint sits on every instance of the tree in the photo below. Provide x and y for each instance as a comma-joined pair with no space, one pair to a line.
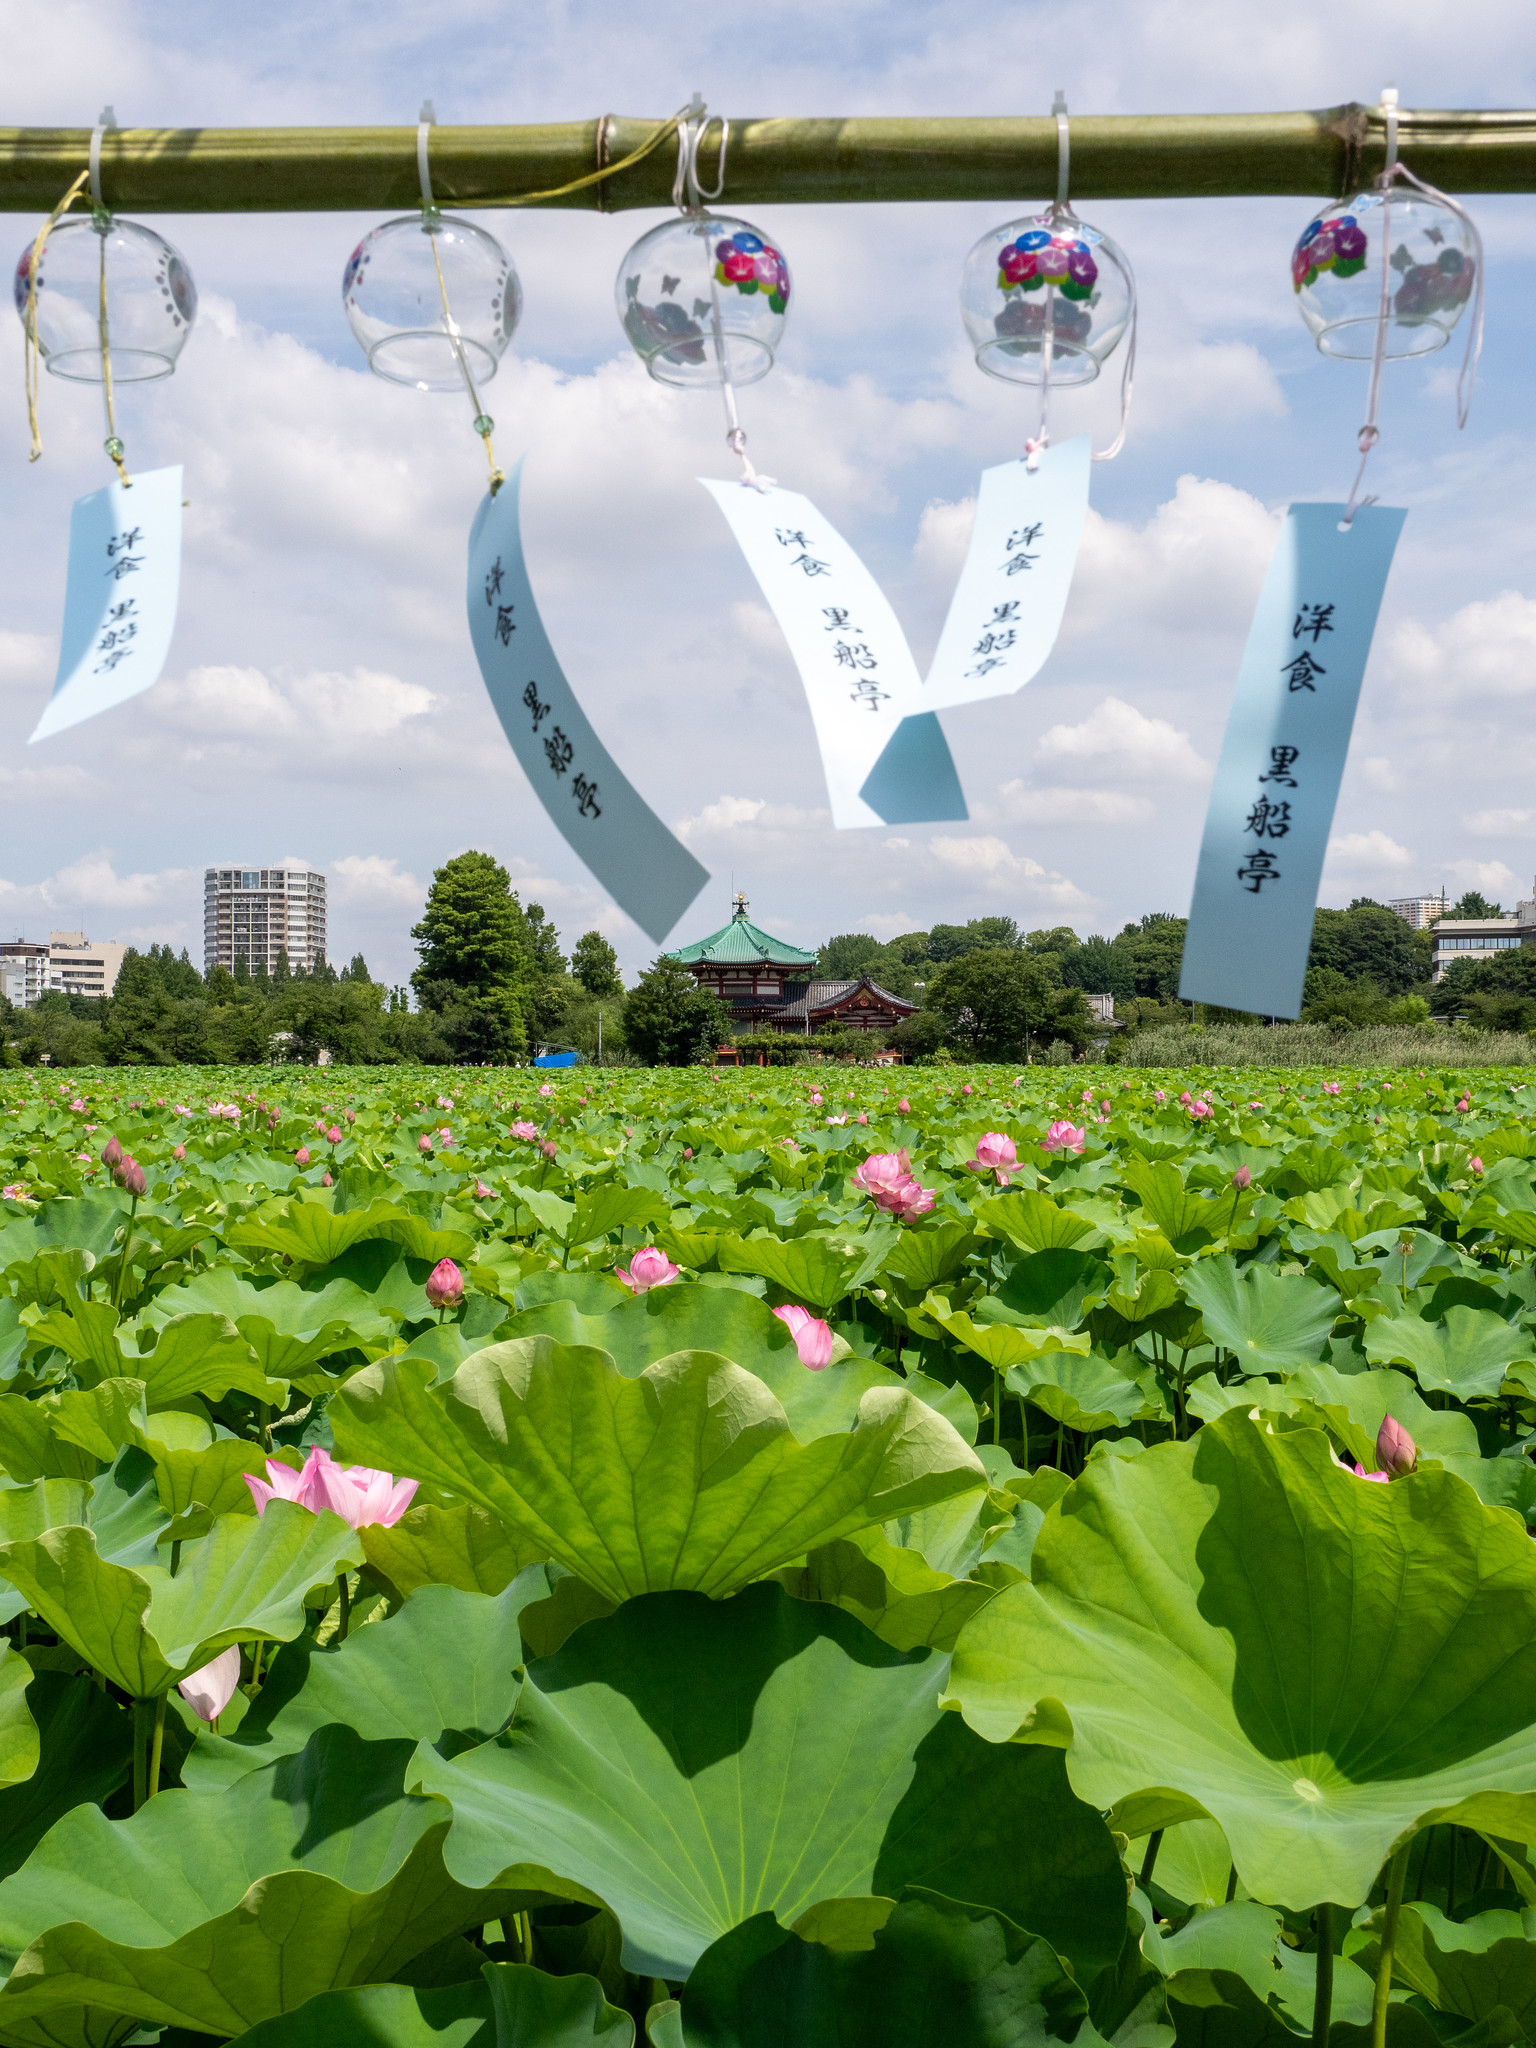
1369,942
669,1020
543,941
596,966
1155,948
992,1001
1473,905
1058,939
847,956
951,941
473,935
1102,967
357,970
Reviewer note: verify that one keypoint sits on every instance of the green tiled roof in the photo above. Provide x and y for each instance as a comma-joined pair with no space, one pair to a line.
743,943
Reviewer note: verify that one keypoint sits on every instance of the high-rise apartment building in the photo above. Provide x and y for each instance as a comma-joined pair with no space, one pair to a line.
256,913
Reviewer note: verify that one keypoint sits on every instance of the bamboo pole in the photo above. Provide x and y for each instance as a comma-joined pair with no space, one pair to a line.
1007,160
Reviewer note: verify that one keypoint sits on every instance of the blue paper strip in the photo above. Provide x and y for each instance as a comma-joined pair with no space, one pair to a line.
648,872
1272,804
1006,611
882,767
120,597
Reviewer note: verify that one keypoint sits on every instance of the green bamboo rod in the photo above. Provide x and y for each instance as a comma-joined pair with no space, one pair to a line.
1114,156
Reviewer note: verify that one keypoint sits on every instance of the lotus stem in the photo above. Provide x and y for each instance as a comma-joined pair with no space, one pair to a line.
1450,1882
344,1593
1322,2003
997,1406
1231,1884
122,1264
159,1745
1397,1871
140,1752
1149,1861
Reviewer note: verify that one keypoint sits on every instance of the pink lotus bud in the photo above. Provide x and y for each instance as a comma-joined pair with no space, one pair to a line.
179,1152
351,1116
1243,1178
861,1118
209,1690
333,1135
1395,1448
813,1338
445,1285
301,1157
649,1268
1463,1106
482,1192
111,1153
967,1089
320,1125
132,1176
326,1181
904,1108
548,1148
687,1151
423,1143
1475,1163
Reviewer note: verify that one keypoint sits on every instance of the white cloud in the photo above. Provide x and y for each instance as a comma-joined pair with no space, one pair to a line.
375,880
94,882
1501,824
1025,804
326,708
1489,877
1121,740
1487,648
992,861
735,814
1368,850
1377,772
1193,569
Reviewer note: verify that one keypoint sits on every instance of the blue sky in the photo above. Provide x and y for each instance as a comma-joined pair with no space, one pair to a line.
321,699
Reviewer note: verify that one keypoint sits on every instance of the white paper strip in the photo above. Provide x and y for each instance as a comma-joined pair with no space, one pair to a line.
859,676
1007,607
120,598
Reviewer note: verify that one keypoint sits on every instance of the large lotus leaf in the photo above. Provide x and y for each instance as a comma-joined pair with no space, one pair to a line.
648,1327
70,1435
212,1477
446,1661
214,1911
1186,1220
120,1507
144,1629
1003,1345
611,1206
1237,1627
1355,1404
894,1592
931,1970
288,1327
508,2005
86,1743
86,1332
1032,1221
1505,1482
88,1221
1466,1354
1084,1393
693,1762
929,1256
202,1354
1193,1862
313,1235
19,1740
1270,1322
811,1270
687,1476
951,1536
464,1546
1467,1967
1047,1288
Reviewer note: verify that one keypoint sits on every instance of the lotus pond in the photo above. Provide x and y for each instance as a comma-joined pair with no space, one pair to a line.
796,1558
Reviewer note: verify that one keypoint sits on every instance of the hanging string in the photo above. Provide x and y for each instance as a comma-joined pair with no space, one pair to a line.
690,197
101,220
31,352
431,213
653,141
1062,215
1370,432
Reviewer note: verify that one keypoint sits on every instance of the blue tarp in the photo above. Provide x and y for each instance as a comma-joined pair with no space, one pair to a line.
556,1059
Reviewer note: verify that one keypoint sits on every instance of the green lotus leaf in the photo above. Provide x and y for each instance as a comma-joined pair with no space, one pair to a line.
642,1329
931,1256
1032,1221
90,1222
1504,1482
464,1546
692,1762
202,1354
894,1592
213,1477
86,1332
214,1911
1236,1627
1050,1287
1003,1345
1466,1354
70,1435
313,1235
144,1629
811,1270
932,1970
1186,1220
1233,1956
1193,1862
1084,1393
445,1662
611,1206
19,1739
508,2005
1270,1322
1468,1967
287,1327
687,1476
120,1507
86,1753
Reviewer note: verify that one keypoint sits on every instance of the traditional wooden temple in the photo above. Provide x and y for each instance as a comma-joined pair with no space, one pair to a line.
769,985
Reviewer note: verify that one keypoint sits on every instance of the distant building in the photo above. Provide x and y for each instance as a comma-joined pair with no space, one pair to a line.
23,972
1420,911
81,967
768,984
1480,938
253,914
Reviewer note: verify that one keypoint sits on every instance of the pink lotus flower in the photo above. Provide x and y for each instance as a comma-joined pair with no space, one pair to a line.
1378,1478
647,1269
1475,1163
837,1120
424,1143
527,1131
909,1200
301,1157
1158,1095
813,1338
1199,1109
14,1191
1063,1137
209,1690
78,1105
283,1483
882,1173
1330,1087
361,1496
482,1192
995,1153
178,1152
546,1088
445,1285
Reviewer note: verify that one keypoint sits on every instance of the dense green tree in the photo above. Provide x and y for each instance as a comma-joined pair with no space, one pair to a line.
1368,941
1102,967
1474,905
357,970
1155,947
669,1021
1056,939
849,955
997,1002
596,966
951,941
473,934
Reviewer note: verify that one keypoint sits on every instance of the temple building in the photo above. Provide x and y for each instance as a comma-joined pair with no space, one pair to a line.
769,985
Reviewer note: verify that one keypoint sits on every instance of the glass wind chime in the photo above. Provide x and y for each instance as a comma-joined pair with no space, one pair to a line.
108,301
1386,273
